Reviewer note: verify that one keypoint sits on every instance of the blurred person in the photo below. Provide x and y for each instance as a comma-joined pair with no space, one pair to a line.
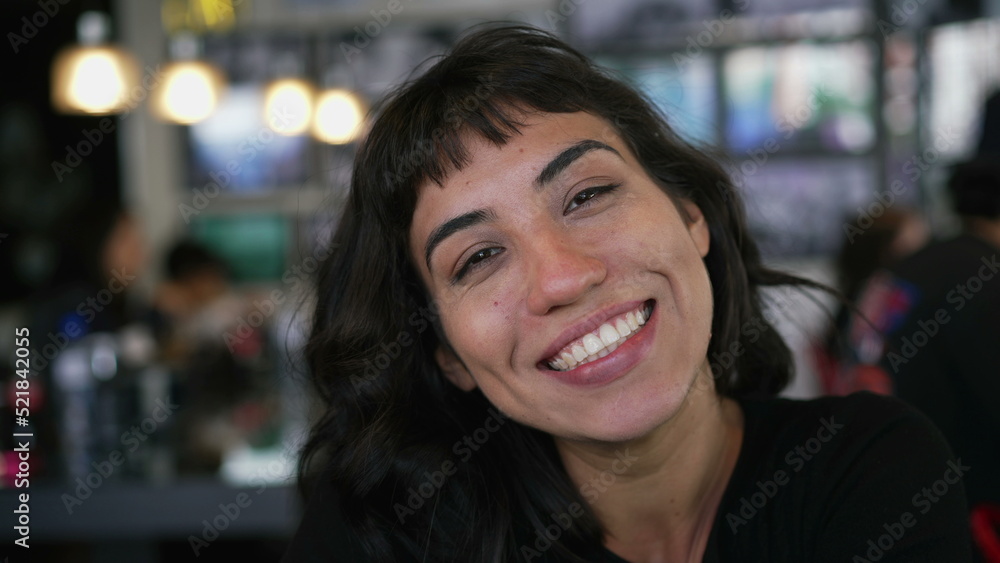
895,234
195,275
196,285
935,339
101,251
221,386
520,336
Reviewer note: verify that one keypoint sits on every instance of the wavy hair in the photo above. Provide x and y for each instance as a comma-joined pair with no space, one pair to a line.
391,424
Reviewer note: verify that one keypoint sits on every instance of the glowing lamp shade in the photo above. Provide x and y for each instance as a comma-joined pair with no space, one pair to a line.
189,92
339,117
288,106
94,80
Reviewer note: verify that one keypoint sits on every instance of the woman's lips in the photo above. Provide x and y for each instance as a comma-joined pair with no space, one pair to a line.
616,363
601,341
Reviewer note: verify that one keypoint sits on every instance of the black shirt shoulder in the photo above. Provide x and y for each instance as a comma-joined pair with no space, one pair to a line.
857,478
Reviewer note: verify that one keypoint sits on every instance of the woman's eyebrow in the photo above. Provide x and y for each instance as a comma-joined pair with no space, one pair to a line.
454,225
567,157
549,173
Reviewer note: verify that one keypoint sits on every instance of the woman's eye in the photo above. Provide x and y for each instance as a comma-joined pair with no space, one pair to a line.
583,197
477,259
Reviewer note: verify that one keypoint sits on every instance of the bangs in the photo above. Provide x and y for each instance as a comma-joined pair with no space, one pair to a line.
463,116
422,130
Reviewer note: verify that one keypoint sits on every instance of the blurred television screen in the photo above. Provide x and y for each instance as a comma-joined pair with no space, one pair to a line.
237,150
253,245
239,146
686,94
802,97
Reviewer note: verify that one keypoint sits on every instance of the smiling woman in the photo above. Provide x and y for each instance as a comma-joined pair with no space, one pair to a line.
562,265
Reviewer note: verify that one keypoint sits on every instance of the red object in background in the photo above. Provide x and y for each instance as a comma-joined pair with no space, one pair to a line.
9,470
249,346
864,377
827,367
9,462
985,521
250,416
841,378
36,395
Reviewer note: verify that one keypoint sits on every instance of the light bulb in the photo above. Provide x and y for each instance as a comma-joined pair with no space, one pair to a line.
92,80
339,116
288,106
189,92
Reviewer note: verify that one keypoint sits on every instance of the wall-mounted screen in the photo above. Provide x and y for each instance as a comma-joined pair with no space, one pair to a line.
240,151
254,246
685,93
802,97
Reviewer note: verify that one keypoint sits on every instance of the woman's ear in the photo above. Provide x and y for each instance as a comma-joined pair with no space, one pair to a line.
453,368
697,227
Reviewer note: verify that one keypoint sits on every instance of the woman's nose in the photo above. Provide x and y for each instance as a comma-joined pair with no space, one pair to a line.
560,271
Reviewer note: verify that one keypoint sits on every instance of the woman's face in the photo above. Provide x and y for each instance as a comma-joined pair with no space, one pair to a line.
541,255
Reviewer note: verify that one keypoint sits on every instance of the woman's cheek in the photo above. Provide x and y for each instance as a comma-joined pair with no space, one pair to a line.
478,326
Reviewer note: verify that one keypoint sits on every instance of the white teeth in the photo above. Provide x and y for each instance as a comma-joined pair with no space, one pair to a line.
568,359
632,323
608,334
592,343
622,327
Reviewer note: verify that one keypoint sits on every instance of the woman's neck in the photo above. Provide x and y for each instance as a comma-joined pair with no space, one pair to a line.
656,496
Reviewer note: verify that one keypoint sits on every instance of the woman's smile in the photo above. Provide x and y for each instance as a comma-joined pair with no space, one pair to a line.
614,330
606,353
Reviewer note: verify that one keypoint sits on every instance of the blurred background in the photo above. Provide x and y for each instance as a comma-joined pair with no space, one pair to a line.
170,171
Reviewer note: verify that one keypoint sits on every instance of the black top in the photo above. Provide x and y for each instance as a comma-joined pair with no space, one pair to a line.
851,479
818,480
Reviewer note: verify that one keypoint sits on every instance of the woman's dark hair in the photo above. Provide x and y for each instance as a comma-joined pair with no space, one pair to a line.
392,439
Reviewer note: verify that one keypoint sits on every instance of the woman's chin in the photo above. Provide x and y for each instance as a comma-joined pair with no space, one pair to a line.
627,423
